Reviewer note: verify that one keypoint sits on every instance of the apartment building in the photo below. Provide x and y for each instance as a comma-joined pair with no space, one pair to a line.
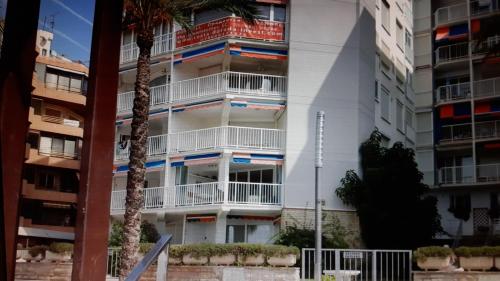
51,178
233,106
457,85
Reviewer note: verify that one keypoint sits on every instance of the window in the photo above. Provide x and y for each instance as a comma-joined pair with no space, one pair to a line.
409,117
399,116
47,180
33,140
376,90
58,147
44,52
400,37
256,176
181,174
460,203
386,16
37,106
209,15
385,103
263,11
408,39
65,81
279,13
249,233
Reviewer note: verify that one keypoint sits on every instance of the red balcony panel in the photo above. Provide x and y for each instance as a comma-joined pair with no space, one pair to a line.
231,27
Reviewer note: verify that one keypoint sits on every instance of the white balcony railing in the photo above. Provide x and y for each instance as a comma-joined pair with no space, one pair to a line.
157,95
486,45
161,45
482,7
199,194
486,173
232,82
153,198
454,133
488,129
156,145
254,193
227,137
452,52
461,91
205,194
450,14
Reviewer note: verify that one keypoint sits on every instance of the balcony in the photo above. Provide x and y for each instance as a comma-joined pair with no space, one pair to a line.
239,194
156,146
48,90
162,44
457,13
31,192
463,175
231,27
158,95
456,133
55,124
256,85
488,130
48,157
229,137
452,52
450,14
486,88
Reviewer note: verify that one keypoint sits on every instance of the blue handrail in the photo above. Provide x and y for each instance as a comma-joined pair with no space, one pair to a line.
150,257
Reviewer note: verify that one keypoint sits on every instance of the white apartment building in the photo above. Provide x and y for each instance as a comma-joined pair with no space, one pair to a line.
457,124
233,106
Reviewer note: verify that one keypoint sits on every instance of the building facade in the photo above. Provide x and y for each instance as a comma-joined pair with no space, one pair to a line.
51,178
233,106
457,85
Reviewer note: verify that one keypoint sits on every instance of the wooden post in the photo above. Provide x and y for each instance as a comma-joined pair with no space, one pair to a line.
16,71
92,223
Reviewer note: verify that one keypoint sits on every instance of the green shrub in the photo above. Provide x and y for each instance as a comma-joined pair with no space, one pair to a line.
145,247
432,251
222,249
198,250
37,250
248,250
176,251
475,252
61,247
280,251
149,233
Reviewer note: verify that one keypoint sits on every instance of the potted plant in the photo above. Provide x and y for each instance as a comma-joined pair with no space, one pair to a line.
35,253
433,257
175,254
250,254
196,254
59,252
278,255
475,258
222,254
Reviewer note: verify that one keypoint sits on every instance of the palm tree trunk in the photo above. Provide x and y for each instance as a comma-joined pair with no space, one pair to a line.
137,170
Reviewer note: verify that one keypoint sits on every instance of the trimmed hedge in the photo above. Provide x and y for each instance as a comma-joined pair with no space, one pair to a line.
61,247
477,251
432,251
37,250
239,250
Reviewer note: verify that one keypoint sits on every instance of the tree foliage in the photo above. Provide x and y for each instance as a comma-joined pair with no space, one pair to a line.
390,198
149,233
333,236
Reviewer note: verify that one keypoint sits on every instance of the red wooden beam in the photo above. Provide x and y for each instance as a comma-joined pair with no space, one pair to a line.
94,196
16,70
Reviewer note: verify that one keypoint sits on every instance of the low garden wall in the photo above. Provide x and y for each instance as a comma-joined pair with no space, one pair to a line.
62,272
456,276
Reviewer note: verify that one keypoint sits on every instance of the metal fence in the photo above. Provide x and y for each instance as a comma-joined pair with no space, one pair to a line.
359,265
113,262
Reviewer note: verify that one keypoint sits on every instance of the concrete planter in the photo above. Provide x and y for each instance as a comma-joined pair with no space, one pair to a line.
174,261
497,263
434,263
223,260
57,257
288,260
252,260
476,263
189,260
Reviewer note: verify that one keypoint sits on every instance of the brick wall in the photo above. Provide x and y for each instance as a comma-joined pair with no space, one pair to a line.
305,218
456,276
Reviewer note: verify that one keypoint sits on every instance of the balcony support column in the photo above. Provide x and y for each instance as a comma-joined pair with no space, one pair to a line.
224,175
471,83
220,227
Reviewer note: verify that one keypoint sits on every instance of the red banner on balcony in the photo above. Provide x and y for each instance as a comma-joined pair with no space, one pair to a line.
231,27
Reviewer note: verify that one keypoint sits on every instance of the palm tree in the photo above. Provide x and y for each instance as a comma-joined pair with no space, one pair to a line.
143,15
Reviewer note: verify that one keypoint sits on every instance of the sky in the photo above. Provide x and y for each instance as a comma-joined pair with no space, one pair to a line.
72,26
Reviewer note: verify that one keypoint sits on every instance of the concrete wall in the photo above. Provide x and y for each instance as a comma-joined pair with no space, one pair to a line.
330,69
458,276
